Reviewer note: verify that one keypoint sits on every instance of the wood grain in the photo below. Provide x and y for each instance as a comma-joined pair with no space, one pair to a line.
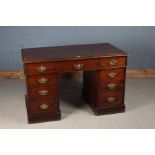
141,73
66,52
12,75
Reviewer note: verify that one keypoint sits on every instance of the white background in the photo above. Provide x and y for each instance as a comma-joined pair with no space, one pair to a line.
77,12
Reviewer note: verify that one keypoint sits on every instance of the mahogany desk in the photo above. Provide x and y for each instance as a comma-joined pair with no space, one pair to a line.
104,70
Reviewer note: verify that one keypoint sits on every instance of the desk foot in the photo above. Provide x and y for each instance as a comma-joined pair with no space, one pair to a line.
110,110
43,118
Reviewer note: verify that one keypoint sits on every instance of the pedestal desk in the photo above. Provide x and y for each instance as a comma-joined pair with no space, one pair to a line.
104,70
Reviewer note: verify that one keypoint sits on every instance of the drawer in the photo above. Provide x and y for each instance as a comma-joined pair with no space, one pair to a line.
113,62
42,80
111,86
43,93
113,75
78,65
43,107
111,98
40,68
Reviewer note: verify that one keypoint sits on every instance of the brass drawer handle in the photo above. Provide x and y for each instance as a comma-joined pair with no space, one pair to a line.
42,80
111,86
111,99
113,62
43,92
42,68
78,66
44,106
112,74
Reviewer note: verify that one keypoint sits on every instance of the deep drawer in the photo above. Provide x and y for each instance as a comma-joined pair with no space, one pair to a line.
43,107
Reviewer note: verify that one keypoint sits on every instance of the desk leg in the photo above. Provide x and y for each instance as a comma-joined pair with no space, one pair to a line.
90,88
101,99
44,106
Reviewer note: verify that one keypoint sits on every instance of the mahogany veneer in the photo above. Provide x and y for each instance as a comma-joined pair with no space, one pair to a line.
104,70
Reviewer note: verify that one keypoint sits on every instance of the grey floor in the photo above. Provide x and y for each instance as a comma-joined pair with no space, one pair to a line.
139,100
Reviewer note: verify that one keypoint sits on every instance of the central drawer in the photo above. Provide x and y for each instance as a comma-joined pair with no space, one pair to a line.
77,65
108,99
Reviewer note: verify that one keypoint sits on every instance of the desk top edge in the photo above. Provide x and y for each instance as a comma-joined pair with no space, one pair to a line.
58,53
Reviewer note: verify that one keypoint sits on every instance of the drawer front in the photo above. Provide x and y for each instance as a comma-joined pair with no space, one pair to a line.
111,99
41,80
43,107
112,76
78,65
43,93
113,62
40,68
111,86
